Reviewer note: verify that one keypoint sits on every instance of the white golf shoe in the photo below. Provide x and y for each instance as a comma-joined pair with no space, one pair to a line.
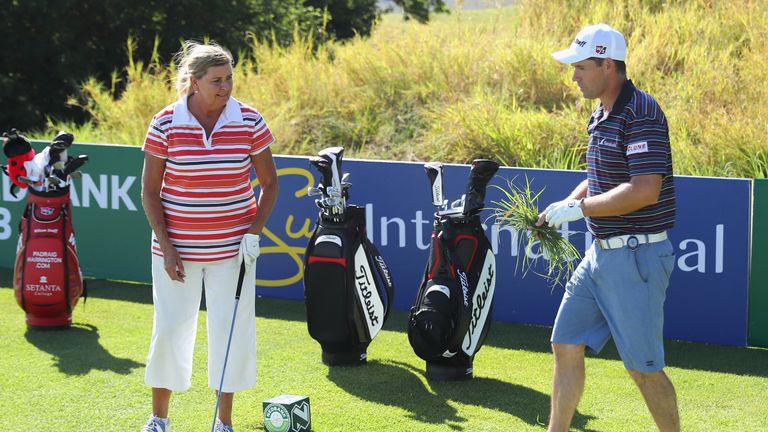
221,427
156,424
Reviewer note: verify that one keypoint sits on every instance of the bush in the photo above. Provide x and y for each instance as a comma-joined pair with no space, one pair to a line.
484,85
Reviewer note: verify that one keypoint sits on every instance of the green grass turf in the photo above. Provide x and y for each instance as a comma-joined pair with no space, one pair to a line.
90,377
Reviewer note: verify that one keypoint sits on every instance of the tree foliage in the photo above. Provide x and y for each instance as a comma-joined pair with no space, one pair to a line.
51,47
420,9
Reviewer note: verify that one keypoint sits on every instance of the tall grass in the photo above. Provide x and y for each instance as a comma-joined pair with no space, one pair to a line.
482,84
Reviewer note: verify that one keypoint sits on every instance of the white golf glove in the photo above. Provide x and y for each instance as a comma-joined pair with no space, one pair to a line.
249,249
563,211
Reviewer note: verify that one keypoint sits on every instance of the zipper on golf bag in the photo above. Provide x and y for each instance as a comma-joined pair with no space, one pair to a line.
348,289
451,314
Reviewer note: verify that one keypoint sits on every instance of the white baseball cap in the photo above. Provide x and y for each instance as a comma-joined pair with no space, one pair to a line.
599,40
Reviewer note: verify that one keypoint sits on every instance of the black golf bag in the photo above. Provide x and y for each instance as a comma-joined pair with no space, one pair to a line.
451,315
348,290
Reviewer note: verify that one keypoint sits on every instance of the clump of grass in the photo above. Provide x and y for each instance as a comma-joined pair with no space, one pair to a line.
519,209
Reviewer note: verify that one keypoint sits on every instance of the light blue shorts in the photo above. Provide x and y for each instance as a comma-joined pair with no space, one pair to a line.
620,293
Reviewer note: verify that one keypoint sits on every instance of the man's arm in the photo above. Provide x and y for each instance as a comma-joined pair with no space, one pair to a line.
579,191
641,191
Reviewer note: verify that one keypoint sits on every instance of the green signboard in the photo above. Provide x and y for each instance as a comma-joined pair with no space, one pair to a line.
758,285
111,230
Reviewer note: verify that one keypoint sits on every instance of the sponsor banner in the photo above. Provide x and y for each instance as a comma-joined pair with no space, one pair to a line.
758,292
111,230
706,300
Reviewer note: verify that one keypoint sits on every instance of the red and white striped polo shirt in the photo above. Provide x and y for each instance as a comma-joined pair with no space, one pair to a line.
207,197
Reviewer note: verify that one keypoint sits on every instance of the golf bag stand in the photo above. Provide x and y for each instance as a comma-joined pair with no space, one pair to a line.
47,276
348,290
452,312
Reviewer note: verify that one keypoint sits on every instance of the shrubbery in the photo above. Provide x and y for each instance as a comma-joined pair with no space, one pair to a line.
483,85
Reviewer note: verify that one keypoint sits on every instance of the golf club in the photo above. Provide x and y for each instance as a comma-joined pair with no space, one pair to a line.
229,340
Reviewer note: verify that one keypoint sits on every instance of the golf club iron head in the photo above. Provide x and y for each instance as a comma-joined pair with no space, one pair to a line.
479,175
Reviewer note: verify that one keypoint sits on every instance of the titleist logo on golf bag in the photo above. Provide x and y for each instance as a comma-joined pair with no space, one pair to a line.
451,314
348,289
464,286
366,293
481,304
384,269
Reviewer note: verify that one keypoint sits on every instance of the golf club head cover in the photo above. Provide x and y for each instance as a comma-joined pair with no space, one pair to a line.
434,172
74,163
479,175
18,150
324,168
334,156
58,147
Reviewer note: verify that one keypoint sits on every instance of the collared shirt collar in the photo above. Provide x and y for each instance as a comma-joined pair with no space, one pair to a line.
627,90
182,116
625,95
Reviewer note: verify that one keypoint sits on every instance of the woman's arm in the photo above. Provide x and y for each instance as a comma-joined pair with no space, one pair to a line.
151,183
267,175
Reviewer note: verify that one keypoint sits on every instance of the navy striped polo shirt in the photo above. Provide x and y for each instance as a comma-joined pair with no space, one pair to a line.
633,139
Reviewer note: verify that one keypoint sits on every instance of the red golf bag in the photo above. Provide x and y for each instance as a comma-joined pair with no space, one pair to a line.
47,277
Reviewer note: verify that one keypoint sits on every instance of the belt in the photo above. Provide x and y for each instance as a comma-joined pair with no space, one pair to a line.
630,240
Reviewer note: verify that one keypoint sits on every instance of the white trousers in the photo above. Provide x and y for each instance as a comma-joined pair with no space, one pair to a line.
169,364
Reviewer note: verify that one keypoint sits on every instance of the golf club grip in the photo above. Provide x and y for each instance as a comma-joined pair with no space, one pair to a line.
240,279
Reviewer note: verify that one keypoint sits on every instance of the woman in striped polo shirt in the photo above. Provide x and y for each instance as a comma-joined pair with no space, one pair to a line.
206,220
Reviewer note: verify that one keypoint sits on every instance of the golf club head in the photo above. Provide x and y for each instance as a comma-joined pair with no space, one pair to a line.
73,164
15,144
58,147
434,172
63,139
479,175
322,165
334,156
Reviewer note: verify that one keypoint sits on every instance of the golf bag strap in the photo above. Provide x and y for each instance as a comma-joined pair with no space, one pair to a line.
465,315
65,255
25,234
384,274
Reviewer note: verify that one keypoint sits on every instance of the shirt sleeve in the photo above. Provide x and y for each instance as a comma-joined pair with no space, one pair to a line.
647,145
156,142
262,137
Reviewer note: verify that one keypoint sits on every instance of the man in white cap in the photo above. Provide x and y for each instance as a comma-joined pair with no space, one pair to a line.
628,200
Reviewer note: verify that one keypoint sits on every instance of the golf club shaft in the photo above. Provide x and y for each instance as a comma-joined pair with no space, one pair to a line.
229,340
